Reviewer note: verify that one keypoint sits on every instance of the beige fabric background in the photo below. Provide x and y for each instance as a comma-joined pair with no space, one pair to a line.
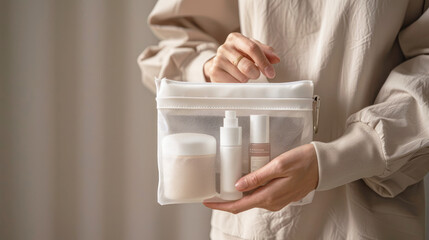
77,127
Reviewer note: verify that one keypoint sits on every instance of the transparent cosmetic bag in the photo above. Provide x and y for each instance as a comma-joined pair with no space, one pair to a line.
211,134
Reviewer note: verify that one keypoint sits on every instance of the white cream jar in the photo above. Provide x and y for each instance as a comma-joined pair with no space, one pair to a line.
188,161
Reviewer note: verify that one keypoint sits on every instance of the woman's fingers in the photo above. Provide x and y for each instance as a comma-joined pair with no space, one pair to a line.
227,66
259,177
245,66
269,52
254,51
273,196
218,74
255,199
240,59
248,68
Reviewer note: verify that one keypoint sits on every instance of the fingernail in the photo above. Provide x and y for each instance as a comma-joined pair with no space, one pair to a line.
273,52
269,71
254,73
241,185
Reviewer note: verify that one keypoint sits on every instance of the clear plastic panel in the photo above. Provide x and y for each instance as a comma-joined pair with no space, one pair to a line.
190,175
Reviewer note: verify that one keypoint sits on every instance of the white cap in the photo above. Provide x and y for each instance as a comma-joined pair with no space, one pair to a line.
188,144
230,133
259,129
230,119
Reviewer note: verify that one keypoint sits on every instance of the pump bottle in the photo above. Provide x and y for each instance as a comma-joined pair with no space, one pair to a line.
230,157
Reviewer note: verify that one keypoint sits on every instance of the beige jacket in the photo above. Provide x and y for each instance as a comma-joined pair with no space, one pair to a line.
369,61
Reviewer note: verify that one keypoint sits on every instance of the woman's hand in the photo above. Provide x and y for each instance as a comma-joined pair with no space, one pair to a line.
287,178
240,59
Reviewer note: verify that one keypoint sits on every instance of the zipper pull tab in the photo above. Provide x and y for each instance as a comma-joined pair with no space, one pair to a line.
316,108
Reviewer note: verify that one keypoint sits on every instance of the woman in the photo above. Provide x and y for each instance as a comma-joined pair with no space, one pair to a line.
369,62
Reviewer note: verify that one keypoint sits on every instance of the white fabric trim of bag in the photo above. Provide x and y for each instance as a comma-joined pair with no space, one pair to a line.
298,89
289,104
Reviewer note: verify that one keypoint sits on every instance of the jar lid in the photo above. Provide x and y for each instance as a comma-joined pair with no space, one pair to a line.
188,144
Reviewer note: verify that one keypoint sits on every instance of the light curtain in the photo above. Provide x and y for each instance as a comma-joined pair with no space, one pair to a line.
78,129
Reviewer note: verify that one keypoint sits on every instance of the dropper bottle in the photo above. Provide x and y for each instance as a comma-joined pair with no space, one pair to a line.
230,157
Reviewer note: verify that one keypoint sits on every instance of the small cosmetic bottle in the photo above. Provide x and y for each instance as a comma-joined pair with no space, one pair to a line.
259,146
230,157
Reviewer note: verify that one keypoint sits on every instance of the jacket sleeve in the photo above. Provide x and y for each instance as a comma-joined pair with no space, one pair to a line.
387,144
190,32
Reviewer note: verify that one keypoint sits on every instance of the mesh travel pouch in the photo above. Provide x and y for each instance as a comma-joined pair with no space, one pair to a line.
211,134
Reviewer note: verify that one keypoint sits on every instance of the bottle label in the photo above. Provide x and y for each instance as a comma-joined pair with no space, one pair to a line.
259,149
258,162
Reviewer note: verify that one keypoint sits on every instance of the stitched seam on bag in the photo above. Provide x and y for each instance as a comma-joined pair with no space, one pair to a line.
235,98
231,107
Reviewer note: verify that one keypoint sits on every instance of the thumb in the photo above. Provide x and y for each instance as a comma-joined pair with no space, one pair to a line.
257,178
